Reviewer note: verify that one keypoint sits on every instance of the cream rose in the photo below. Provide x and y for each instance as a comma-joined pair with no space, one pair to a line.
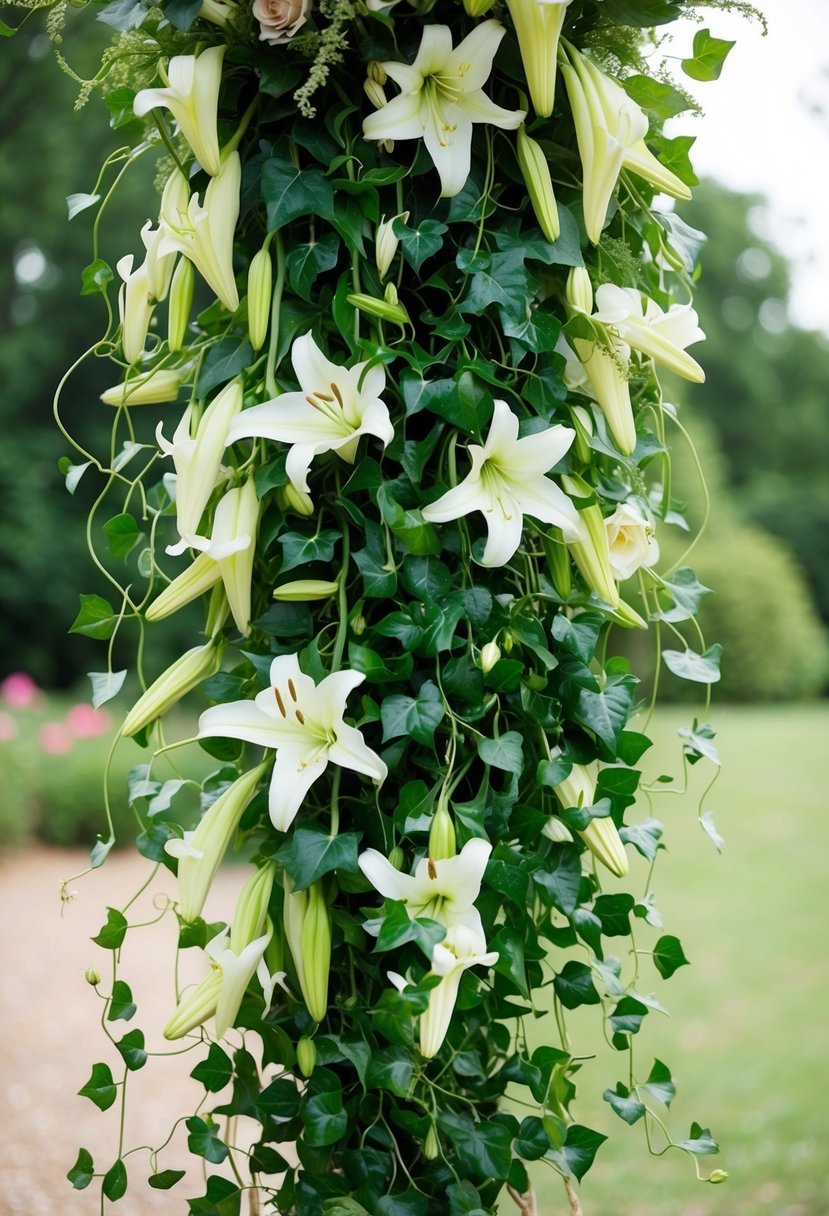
630,541
279,20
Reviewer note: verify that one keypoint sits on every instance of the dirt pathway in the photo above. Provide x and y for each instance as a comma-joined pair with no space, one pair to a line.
50,1035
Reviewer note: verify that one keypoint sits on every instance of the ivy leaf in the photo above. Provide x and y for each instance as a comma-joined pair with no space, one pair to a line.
132,1050
668,956
226,359
312,852
560,879
324,1118
76,203
708,826
484,1149
687,593
421,242
97,275
699,742
390,1069
221,1198
306,262
289,192
496,278
165,1180
579,635
627,1108
114,1184
660,1083
418,717
100,1088
83,1171
700,668
105,685
112,934
121,1005
505,752
96,619
660,99
606,712
215,1072
202,1140
509,944
297,549
644,837
709,55
701,1142
574,986
397,928
578,1152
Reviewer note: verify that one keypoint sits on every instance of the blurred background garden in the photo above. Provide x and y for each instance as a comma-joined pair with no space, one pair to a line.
752,1065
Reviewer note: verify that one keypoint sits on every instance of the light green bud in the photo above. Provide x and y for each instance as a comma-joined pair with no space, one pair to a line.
189,670
359,625
381,309
316,953
442,842
601,835
147,388
583,426
275,950
717,1176
591,554
397,857
579,290
536,173
375,93
376,72
306,589
180,303
260,286
386,243
536,681
196,580
295,500
306,1055
431,1145
252,908
490,654
196,1008
558,562
92,977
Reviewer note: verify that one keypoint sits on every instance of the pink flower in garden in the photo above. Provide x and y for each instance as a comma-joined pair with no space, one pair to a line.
55,738
19,690
8,727
85,722
279,20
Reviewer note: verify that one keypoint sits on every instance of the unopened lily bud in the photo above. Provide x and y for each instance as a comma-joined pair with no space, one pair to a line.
316,953
375,93
306,589
431,1145
196,580
147,388
189,670
217,12
442,843
558,562
556,829
200,853
92,977
579,290
591,554
601,836
295,500
252,908
397,857
260,286
507,641
386,243
275,951
196,1008
381,309
386,145
306,1055
536,173
179,304
359,625
717,1176
583,426
376,72
628,617
490,654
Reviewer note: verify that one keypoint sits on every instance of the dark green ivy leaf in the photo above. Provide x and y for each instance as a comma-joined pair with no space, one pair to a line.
203,1141
306,262
113,932
83,1171
165,1180
100,1088
421,242
578,1151
324,1119
574,986
660,1083
132,1050
96,619
215,1072
114,1185
121,1005
390,1069
298,549
312,852
289,192
701,1142
668,956
226,359
484,1149
505,752
418,717
627,1108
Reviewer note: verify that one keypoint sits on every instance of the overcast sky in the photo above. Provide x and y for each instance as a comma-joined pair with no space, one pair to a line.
766,128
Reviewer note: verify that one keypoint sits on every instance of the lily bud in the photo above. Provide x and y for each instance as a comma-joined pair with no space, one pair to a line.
397,857
591,554
556,829
252,908
386,243
381,309
628,617
359,625
601,835
375,93
442,843
196,1008
490,654
135,307
217,12
180,303
558,562
307,923
147,388
296,500
200,853
189,670
583,426
536,173
260,286
306,1055
579,291
92,977
376,72
196,580
305,590
431,1145
717,1176
538,28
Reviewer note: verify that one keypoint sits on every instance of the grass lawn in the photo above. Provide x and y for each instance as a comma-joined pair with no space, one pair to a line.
749,1040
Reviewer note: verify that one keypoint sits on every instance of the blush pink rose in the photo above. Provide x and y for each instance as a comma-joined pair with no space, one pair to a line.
279,20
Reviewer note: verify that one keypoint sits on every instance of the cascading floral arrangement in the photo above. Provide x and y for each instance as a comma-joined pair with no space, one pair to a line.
413,441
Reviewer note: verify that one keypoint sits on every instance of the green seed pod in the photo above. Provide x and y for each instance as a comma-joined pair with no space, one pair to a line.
306,1055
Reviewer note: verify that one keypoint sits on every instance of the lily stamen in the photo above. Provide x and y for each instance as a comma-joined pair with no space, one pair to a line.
292,690
280,702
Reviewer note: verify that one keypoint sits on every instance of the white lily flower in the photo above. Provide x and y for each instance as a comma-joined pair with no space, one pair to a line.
198,461
304,722
538,26
442,96
631,542
192,96
174,200
204,232
335,406
443,890
135,306
642,324
450,958
610,131
508,480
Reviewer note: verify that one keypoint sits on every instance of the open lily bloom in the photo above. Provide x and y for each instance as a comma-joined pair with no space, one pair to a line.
174,202
198,461
508,480
192,96
631,542
538,26
304,722
443,890
642,324
450,958
335,406
442,96
204,232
